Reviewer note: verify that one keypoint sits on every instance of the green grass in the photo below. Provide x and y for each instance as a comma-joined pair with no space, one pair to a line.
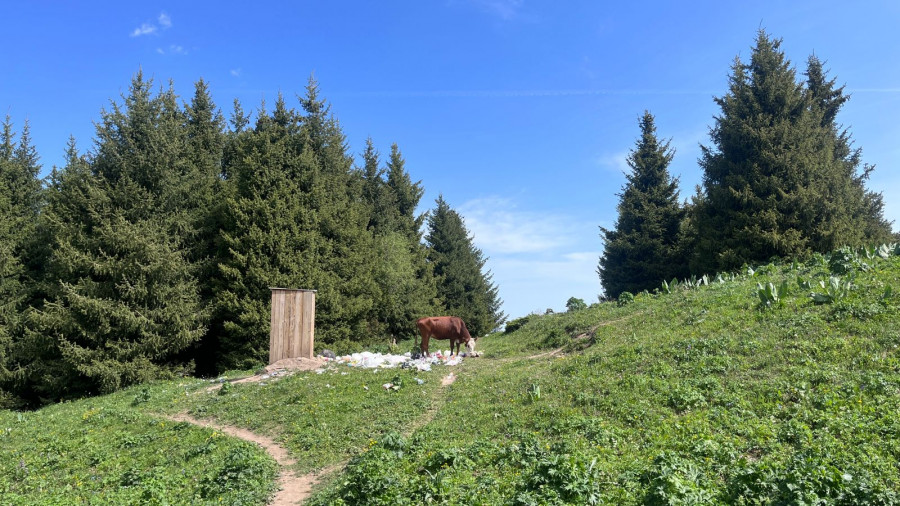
704,395
109,450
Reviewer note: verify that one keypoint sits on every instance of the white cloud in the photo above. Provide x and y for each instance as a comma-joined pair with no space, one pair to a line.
160,50
499,227
151,29
615,162
236,72
538,259
144,29
533,285
177,49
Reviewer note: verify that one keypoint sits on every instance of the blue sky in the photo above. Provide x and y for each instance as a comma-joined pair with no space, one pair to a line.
520,112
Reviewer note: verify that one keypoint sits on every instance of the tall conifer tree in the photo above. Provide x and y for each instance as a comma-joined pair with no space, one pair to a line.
464,288
122,297
406,285
298,220
850,214
781,177
21,198
643,248
759,198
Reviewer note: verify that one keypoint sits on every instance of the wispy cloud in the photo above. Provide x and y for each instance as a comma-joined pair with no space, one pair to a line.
500,227
236,72
538,258
172,49
144,29
615,162
505,9
150,28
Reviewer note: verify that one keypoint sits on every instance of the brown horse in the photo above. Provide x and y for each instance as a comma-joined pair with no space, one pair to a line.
445,327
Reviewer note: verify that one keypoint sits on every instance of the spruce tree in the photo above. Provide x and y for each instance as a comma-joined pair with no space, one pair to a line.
406,195
297,219
265,235
850,214
643,248
406,285
21,199
11,292
375,192
782,178
122,299
464,288
759,199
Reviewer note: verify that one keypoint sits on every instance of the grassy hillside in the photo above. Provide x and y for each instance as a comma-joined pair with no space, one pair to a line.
735,391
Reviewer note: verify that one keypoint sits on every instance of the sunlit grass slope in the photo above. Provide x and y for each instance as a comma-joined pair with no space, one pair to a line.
109,450
709,394
760,387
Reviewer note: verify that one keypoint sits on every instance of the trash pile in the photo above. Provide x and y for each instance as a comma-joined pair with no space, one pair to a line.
369,360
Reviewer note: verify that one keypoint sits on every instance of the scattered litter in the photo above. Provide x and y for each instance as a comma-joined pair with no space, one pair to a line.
370,360
365,388
419,381
320,371
390,386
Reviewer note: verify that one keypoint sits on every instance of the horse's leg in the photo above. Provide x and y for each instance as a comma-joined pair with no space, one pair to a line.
424,346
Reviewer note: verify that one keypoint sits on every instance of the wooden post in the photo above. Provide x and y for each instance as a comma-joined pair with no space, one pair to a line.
293,324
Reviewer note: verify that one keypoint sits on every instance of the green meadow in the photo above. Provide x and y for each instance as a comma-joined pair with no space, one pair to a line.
777,384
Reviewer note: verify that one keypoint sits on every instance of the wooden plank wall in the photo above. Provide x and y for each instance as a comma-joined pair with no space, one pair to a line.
292,324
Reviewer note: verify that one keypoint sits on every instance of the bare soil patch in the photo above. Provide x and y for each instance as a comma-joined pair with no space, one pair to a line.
283,367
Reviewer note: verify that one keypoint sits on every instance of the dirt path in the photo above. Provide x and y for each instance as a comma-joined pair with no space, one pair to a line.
294,489
436,403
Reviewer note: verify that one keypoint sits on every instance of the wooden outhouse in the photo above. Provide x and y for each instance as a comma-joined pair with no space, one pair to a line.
293,324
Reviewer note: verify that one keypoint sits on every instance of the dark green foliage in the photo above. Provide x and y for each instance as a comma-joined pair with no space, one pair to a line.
406,195
851,215
295,220
121,294
21,198
517,323
156,251
406,285
643,248
463,287
781,177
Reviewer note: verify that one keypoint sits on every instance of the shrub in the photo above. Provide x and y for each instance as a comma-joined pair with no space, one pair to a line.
514,325
625,298
574,304
555,339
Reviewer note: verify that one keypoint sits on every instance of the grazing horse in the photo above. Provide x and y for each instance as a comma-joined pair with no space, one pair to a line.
446,327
